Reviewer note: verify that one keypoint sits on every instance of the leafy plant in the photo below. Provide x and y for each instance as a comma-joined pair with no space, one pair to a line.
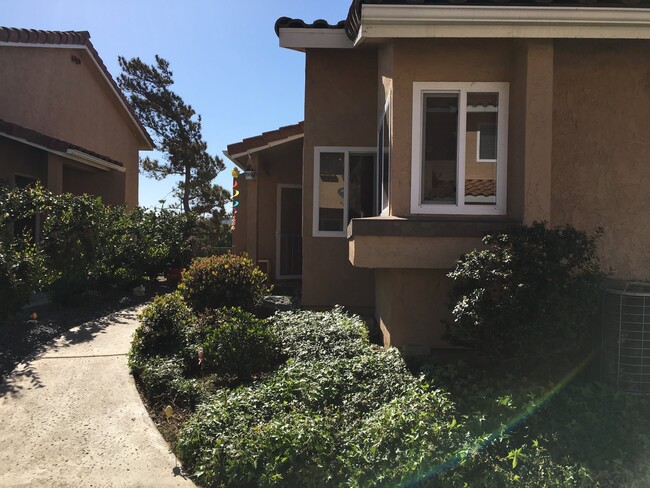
313,336
530,292
223,281
164,326
239,344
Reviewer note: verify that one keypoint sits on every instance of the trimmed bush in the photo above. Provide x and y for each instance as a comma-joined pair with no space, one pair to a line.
238,344
531,292
164,327
312,336
223,281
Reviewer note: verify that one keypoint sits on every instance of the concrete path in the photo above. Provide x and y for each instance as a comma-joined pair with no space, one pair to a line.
72,416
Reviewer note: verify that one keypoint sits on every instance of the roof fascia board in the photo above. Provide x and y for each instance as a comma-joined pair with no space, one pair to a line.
267,146
145,136
299,39
435,21
90,160
73,154
237,163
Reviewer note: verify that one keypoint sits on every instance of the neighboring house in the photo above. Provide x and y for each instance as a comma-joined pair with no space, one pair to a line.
429,123
63,120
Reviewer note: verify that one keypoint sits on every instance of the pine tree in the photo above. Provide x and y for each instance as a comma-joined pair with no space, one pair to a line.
176,129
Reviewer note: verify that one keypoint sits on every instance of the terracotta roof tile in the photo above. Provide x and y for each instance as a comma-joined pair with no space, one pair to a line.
480,188
40,139
266,138
72,38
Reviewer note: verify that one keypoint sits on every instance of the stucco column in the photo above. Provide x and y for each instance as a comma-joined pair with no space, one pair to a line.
538,131
251,211
54,174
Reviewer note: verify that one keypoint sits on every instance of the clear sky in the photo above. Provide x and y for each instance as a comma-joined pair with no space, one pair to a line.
225,56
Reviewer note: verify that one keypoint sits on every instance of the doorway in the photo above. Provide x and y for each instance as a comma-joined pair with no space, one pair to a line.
289,232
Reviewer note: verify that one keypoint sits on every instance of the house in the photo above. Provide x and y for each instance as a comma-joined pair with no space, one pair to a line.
429,123
63,119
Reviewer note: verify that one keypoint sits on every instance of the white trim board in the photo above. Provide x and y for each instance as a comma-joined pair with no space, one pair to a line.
302,38
464,21
73,154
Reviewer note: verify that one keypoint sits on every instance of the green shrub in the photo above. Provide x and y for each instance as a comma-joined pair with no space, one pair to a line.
313,336
237,343
164,381
22,272
531,292
333,420
223,281
164,326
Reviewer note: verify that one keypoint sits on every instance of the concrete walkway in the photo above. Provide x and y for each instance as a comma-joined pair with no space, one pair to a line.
72,416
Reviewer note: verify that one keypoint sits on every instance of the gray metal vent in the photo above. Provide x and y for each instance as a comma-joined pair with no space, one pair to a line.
626,338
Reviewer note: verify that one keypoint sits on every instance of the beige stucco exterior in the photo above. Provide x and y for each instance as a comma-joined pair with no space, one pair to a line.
577,147
340,111
48,91
601,148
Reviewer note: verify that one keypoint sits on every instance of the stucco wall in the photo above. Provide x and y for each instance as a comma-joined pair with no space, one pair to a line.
601,147
17,158
341,97
45,91
411,307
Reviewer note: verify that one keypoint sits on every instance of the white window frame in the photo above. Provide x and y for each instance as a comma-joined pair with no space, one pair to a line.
384,210
478,146
420,89
316,232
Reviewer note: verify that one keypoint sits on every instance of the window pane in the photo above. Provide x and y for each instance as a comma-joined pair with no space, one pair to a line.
331,192
361,186
481,148
385,164
440,148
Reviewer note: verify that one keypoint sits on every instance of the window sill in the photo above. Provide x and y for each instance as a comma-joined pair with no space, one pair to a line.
417,242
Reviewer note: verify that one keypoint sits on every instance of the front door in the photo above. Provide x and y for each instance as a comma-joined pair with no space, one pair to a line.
289,232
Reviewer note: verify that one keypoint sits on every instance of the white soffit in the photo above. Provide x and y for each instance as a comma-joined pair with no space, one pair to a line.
435,21
300,39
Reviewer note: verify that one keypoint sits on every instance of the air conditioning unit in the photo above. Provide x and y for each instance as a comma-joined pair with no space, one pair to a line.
626,337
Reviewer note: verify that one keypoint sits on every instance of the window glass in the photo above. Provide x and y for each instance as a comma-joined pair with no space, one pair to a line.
362,190
481,148
440,148
331,194
385,164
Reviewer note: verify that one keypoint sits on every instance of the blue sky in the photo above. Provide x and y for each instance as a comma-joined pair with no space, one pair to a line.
224,54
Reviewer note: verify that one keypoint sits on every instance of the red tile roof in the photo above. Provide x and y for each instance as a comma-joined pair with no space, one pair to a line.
48,142
480,188
267,138
73,39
